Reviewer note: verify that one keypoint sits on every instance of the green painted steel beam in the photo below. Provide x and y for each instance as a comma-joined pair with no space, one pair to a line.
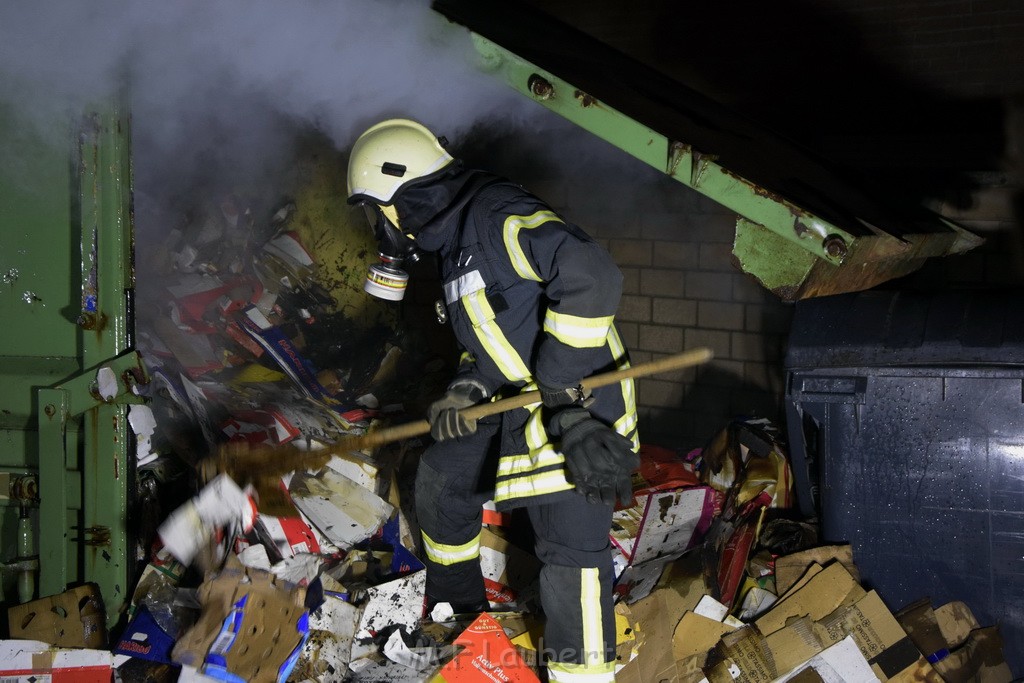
796,226
105,320
66,261
788,248
54,551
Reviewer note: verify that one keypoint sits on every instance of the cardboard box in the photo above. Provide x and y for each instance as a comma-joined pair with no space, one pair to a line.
655,621
31,661
840,663
953,641
250,627
817,598
358,467
663,523
487,656
507,569
221,504
290,536
75,618
881,639
789,568
696,634
345,512
327,652
143,638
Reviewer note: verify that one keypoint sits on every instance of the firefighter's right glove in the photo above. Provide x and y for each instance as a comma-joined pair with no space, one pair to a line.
443,414
599,459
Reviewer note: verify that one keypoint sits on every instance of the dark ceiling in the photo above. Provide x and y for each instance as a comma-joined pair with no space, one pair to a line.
900,90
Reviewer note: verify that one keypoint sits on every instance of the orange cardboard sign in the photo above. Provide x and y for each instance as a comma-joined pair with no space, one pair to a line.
488,656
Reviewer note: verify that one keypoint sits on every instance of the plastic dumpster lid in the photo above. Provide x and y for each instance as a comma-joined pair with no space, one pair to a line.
897,328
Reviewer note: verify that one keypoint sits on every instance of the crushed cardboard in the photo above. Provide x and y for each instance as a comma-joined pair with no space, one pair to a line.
250,627
26,661
75,618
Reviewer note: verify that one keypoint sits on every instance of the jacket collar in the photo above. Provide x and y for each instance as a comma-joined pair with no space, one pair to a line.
433,209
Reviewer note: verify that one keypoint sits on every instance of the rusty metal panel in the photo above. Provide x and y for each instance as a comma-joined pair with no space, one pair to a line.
829,235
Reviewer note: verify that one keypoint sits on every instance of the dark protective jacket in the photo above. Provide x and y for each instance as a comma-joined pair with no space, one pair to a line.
530,297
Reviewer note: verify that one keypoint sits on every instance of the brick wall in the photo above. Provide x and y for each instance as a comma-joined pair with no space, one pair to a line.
963,47
680,292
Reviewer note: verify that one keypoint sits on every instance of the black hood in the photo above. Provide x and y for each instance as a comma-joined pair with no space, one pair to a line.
431,209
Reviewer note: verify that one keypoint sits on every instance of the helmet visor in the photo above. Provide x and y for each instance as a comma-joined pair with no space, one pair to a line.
390,238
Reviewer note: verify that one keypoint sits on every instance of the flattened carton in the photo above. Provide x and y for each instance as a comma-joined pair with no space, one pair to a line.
345,512
250,630
75,618
31,661
144,639
880,638
487,656
663,523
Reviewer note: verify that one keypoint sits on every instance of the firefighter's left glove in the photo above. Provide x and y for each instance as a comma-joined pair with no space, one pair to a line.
599,459
443,414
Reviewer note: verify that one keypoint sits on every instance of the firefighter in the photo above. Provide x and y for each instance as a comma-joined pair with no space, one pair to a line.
531,299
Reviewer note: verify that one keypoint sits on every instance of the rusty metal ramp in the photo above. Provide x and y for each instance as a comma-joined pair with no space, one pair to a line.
802,229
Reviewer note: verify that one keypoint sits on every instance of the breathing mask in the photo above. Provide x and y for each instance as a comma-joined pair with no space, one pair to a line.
386,279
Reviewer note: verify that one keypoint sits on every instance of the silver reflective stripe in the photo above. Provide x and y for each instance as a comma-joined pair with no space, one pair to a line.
471,282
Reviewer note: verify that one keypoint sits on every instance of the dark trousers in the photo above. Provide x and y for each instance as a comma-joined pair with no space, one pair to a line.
454,479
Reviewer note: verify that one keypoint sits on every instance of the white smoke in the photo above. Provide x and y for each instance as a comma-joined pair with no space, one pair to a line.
231,80
341,64
218,88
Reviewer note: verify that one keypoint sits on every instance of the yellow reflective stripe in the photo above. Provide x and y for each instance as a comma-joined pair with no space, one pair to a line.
617,348
466,357
536,433
492,338
590,604
561,672
450,554
537,485
513,224
576,331
627,424
535,460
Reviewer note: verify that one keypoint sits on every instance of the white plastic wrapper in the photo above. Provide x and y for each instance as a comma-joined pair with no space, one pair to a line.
220,505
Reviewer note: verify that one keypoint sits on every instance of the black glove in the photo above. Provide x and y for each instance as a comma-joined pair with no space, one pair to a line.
443,416
598,458
559,397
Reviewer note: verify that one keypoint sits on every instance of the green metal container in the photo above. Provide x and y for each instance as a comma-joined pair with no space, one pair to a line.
65,360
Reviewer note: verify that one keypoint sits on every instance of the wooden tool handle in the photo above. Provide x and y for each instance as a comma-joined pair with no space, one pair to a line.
409,430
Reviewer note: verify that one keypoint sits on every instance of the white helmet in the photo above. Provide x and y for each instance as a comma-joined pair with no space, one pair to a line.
389,155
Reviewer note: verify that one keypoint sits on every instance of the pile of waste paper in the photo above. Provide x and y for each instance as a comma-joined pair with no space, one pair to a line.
271,550
716,580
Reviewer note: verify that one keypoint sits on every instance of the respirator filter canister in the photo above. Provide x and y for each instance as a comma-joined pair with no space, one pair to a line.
386,280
